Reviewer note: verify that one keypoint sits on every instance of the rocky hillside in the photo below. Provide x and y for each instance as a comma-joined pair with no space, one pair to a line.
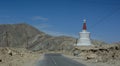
53,43
23,35
16,35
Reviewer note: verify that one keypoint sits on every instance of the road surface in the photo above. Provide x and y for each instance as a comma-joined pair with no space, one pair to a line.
57,60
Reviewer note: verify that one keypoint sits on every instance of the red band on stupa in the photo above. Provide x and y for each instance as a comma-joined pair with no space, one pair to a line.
84,26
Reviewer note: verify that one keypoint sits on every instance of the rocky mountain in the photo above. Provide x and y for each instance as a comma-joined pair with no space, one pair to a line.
54,43
24,35
98,42
16,35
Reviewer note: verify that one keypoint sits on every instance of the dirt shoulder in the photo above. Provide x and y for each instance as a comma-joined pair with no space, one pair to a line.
90,63
18,57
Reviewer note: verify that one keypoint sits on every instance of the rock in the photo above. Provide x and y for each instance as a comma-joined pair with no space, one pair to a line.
104,53
92,56
0,60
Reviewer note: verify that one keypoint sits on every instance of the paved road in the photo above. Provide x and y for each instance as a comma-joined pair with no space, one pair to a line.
57,60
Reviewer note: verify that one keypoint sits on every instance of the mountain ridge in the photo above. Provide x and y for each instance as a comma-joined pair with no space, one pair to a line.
27,36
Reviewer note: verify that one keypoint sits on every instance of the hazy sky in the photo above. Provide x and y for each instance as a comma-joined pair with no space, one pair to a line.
65,17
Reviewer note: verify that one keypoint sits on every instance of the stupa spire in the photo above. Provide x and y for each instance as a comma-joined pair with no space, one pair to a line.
84,25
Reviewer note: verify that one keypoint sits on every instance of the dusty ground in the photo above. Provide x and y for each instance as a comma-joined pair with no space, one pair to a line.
90,63
18,57
105,55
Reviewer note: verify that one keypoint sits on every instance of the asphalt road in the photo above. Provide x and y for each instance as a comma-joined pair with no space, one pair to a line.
57,60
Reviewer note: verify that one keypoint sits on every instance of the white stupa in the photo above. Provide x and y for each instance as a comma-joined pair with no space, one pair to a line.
84,39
